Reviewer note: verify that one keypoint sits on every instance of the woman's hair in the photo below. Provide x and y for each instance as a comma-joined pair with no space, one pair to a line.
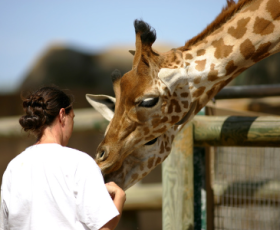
42,107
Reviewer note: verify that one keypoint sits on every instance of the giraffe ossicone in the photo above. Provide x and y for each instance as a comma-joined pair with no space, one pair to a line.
165,90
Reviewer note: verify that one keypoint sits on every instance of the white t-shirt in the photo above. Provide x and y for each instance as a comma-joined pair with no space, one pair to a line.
48,186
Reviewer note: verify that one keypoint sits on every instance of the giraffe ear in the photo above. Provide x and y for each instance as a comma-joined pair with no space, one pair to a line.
173,78
132,52
104,104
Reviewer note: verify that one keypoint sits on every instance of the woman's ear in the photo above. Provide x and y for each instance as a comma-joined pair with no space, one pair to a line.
62,116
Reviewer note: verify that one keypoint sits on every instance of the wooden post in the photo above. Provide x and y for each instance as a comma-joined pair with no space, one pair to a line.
178,183
209,188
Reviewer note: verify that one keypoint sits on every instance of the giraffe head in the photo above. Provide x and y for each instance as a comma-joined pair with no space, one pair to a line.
141,161
147,101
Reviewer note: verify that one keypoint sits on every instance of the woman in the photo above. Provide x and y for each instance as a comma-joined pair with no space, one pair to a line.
50,186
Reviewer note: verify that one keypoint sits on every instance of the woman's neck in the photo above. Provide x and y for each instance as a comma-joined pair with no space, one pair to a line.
51,134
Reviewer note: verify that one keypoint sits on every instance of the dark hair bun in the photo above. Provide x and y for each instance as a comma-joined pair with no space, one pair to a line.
42,107
34,119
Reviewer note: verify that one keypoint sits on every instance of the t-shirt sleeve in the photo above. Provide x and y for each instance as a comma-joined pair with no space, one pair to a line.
4,212
95,206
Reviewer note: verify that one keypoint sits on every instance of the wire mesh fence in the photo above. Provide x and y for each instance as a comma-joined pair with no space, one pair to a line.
246,182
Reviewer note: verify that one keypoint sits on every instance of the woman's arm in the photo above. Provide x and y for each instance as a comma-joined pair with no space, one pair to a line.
119,197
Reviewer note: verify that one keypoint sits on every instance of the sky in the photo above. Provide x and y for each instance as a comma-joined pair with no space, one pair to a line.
29,27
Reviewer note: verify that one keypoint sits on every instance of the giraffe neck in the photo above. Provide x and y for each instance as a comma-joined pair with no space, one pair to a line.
251,34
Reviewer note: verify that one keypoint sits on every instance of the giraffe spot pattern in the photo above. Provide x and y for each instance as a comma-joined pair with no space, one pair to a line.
167,139
200,103
144,174
213,74
201,52
186,104
198,107
164,119
161,148
174,119
199,91
174,103
188,56
261,52
197,80
240,29
157,161
151,162
273,7
146,131
253,6
263,26
142,167
247,49
230,67
222,50
167,148
156,122
200,65
212,92
185,94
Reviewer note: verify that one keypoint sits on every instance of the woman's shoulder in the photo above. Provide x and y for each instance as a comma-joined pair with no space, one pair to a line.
75,153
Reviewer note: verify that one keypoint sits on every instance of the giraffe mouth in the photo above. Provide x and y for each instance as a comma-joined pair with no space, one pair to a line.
151,142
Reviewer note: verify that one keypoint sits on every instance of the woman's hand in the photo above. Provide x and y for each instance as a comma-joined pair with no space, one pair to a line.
115,191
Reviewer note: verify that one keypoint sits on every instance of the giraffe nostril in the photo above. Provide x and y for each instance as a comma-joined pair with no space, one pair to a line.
102,155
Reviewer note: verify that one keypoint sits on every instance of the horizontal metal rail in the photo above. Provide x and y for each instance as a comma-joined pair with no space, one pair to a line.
253,91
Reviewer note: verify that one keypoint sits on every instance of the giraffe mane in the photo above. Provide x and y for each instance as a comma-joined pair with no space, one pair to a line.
226,14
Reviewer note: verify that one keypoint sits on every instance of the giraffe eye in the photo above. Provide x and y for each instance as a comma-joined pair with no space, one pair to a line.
149,102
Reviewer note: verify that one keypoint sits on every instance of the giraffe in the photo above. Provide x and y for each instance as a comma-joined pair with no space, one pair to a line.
164,91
